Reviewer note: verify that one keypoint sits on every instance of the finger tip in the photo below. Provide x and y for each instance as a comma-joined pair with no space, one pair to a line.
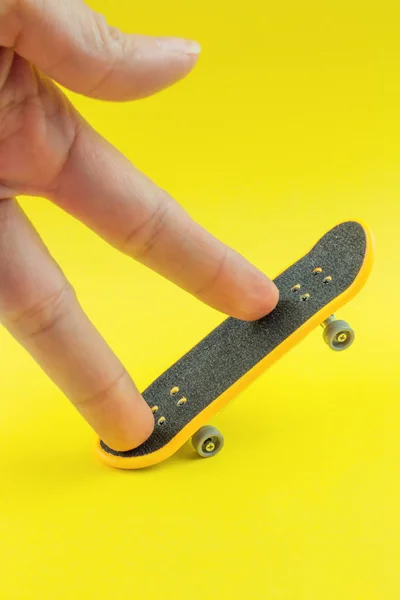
173,45
260,299
262,306
193,49
135,432
165,72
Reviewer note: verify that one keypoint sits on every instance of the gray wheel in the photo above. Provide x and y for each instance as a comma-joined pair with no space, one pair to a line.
208,441
338,335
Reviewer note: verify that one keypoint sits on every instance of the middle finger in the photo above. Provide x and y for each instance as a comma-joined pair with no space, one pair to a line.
40,309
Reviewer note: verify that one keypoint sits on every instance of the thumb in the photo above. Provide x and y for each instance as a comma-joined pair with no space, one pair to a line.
75,46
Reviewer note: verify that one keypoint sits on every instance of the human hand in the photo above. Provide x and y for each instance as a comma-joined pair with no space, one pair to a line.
48,150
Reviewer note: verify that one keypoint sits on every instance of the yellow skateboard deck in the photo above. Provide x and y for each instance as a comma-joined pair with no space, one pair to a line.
186,396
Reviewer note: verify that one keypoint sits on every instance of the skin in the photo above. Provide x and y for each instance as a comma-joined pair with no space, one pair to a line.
48,150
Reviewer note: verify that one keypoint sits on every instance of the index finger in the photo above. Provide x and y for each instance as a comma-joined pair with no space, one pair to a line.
99,186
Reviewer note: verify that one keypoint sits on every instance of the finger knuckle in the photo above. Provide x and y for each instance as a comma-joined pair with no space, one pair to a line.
8,7
104,395
44,316
215,276
110,44
110,40
11,12
142,240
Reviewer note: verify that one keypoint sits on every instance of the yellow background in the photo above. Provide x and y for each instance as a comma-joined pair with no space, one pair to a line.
289,124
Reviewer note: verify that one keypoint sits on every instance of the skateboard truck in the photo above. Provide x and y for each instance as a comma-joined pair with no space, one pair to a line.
337,333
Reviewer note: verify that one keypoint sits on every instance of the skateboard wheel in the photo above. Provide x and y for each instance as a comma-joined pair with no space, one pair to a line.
208,441
338,335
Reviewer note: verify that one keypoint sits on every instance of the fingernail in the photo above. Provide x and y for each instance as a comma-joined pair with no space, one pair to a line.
179,46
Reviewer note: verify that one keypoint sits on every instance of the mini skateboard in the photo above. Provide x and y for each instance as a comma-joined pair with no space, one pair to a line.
186,396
